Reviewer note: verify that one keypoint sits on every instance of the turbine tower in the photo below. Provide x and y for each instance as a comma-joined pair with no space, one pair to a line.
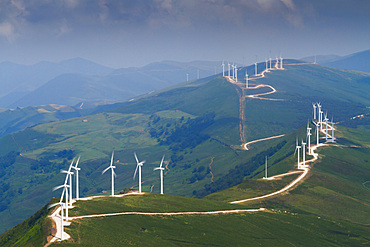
297,148
266,65
112,167
304,153
187,77
277,63
77,185
281,63
236,73
309,138
246,79
266,168
229,69
69,177
326,126
320,115
160,168
139,165
255,68
317,133
314,110
332,131
223,68
233,70
270,62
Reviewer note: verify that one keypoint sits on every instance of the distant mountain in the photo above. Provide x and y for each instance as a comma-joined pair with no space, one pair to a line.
119,85
18,80
357,61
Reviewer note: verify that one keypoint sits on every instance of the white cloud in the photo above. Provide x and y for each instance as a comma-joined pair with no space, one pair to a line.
7,31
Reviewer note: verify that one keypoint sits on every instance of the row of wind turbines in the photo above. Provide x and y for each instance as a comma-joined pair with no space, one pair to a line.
233,69
318,121
67,186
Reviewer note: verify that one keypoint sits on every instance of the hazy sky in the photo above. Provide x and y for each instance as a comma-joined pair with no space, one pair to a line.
123,33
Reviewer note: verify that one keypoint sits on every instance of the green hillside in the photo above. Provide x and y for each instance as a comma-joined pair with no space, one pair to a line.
195,124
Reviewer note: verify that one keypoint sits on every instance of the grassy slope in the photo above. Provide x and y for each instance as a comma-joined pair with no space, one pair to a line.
126,130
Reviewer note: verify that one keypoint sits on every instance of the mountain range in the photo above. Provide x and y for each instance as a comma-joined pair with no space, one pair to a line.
199,125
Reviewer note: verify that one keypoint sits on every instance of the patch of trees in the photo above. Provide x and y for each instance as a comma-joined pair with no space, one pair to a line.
68,154
6,161
237,174
198,174
189,134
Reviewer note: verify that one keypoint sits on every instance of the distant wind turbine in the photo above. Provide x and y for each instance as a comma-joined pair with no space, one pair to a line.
77,178
314,110
160,168
304,153
246,79
332,130
236,73
223,68
309,138
112,167
229,69
266,168
138,165
297,148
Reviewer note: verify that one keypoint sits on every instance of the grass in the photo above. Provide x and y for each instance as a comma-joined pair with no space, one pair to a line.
150,202
266,229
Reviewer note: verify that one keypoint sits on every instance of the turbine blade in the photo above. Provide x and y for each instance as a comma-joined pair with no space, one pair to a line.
135,171
106,169
137,160
162,161
58,187
53,205
78,160
111,160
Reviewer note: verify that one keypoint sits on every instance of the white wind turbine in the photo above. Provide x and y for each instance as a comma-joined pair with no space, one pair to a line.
320,115
246,79
65,187
332,130
317,133
270,62
233,66
266,65
161,169
223,68
281,63
277,63
69,177
113,173
309,138
77,178
236,73
304,153
297,148
229,69
326,126
265,177
62,205
139,165
255,68
314,110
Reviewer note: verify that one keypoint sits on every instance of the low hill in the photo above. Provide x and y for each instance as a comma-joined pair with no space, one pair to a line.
330,207
199,125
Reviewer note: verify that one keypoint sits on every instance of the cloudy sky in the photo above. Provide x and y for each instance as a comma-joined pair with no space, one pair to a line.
123,33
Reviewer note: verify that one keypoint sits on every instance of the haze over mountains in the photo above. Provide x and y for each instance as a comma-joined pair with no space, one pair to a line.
357,61
78,80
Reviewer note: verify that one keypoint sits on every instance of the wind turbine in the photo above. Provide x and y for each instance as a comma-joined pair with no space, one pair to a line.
236,73
266,65
270,62
69,177
304,152
255,68
77,186
320,115
266,168
61,204
223,68
187,77
277,63
317,133
113,173
332,131
161,173
246,79
314,110
229,68
139,165
281,63
309,138
297,148
326,126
